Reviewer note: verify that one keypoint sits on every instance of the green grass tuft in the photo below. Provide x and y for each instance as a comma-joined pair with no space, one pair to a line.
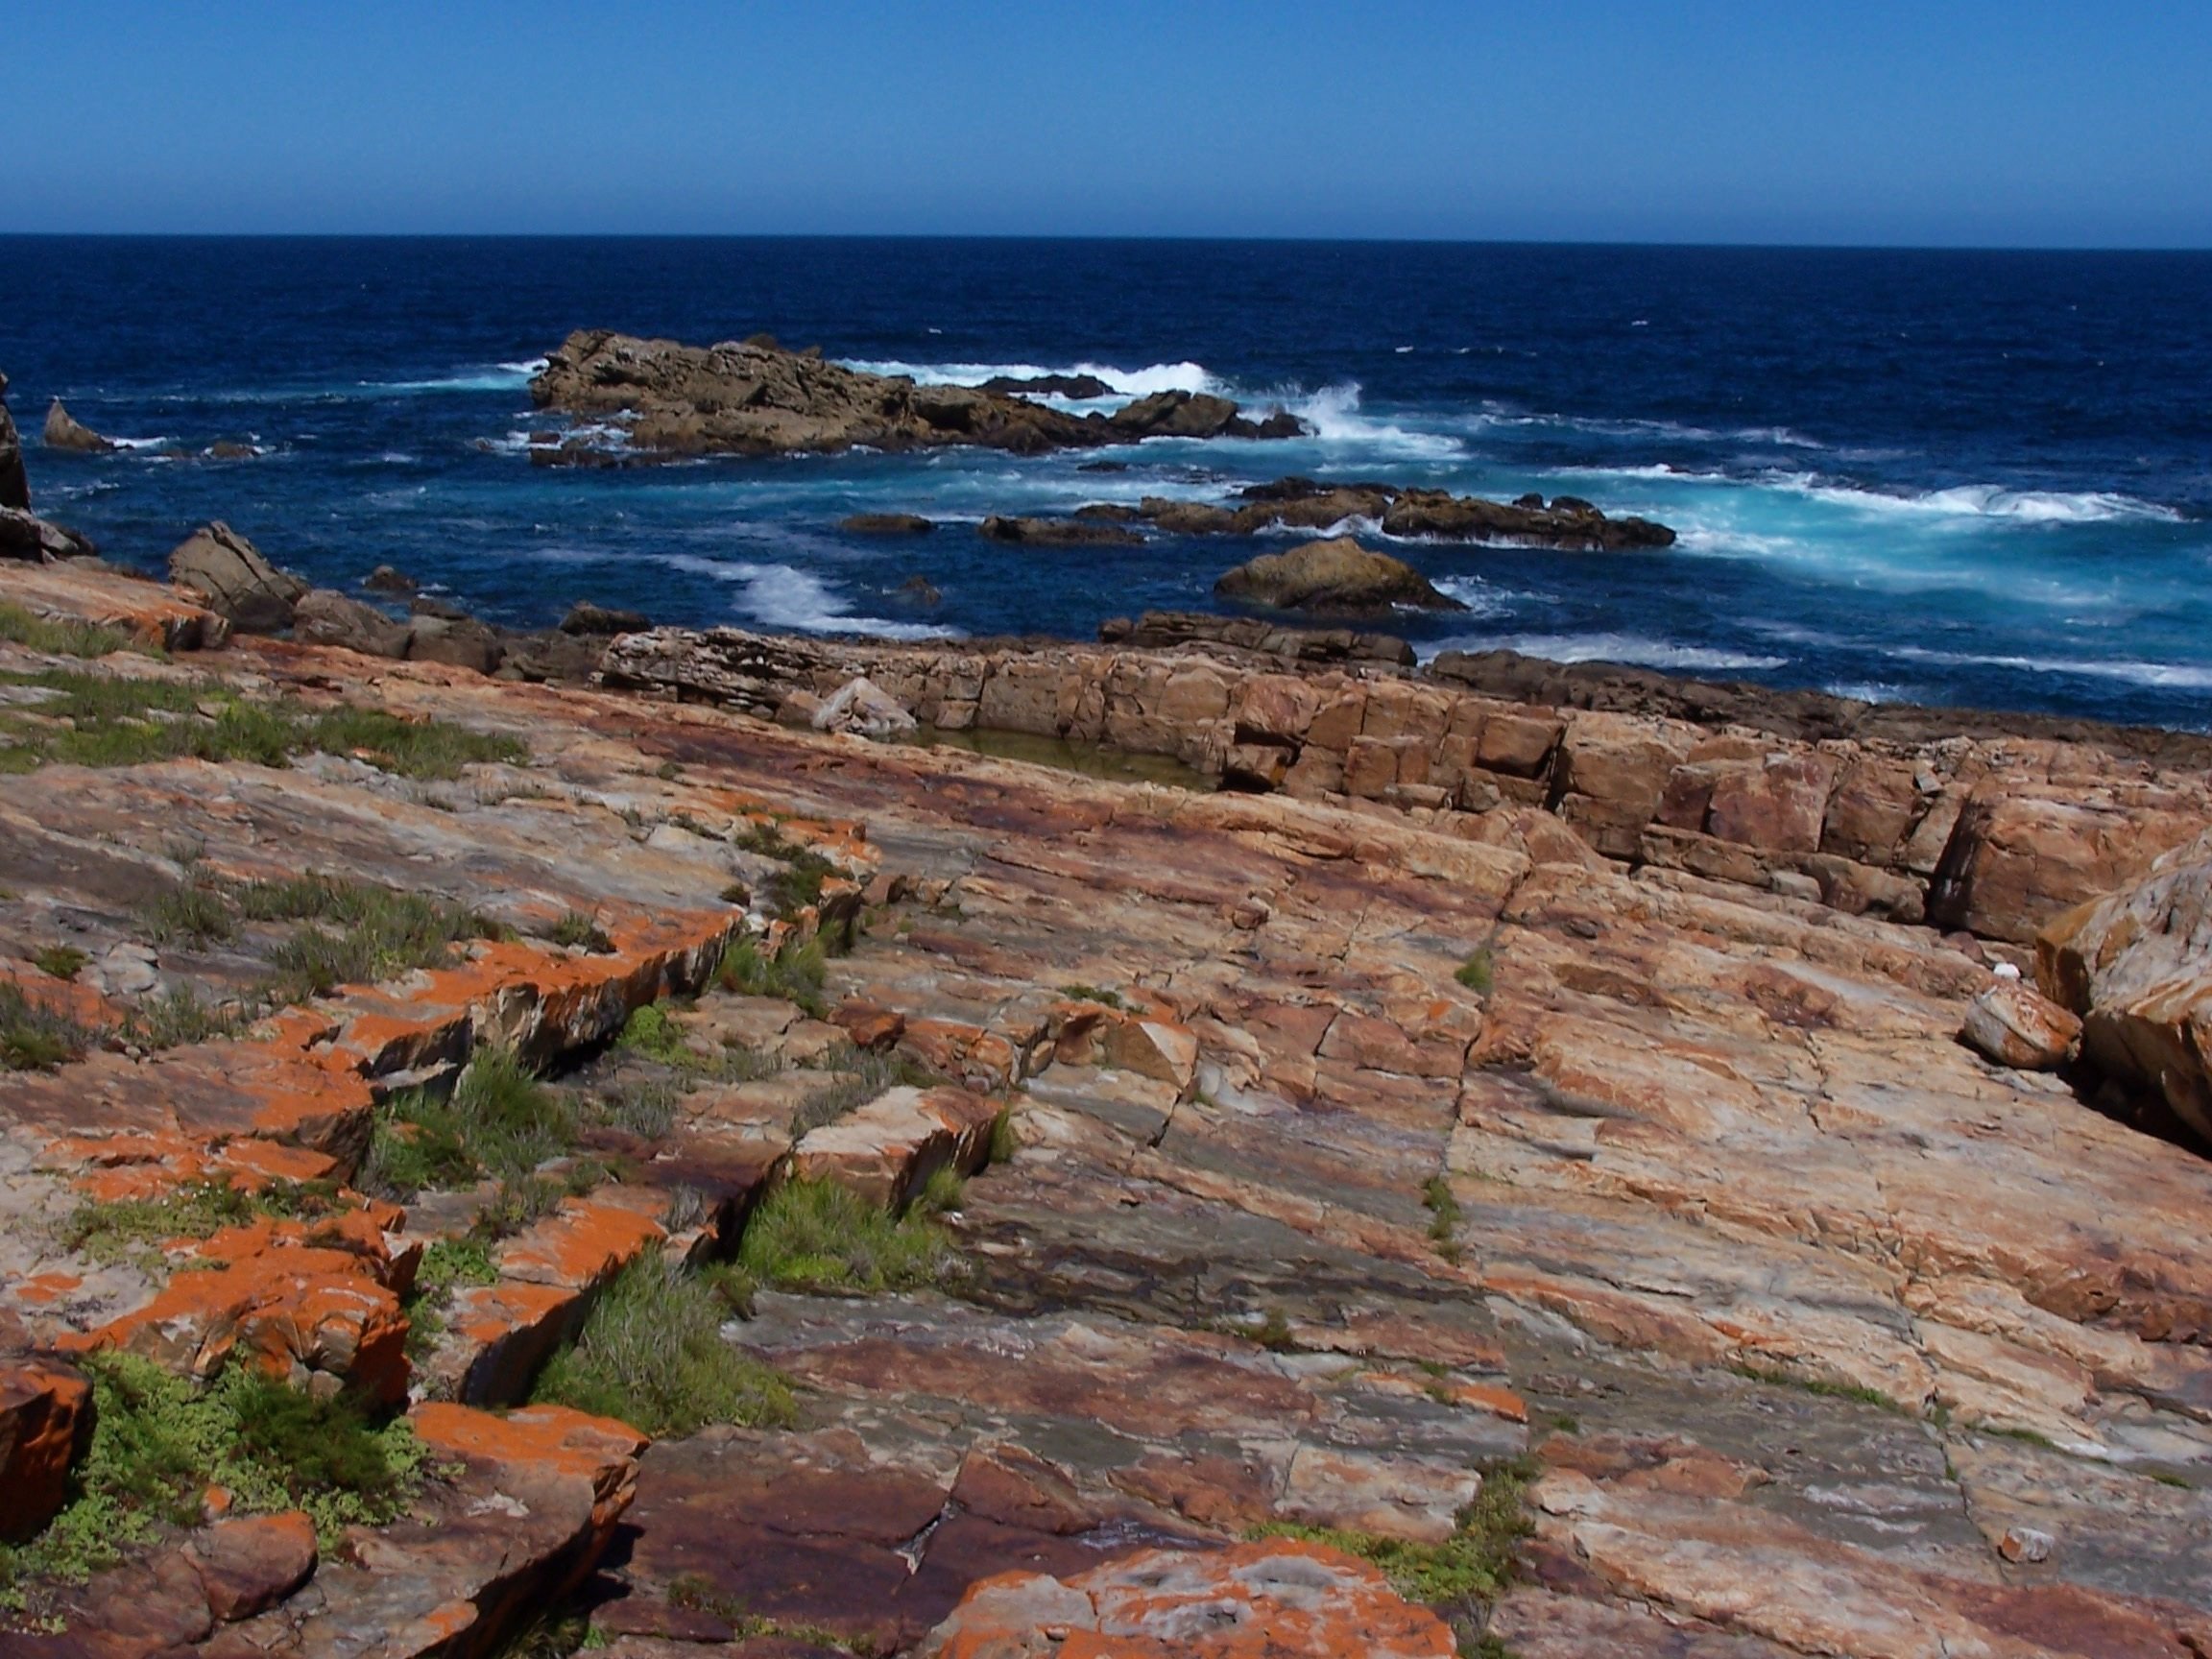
1443,1207
814,1236
1825,1388
1093,994
499,1120
68,637
578,931
34,1038
1478,971
651,1354
158,1442
797,975
60,961
179,1017
1460,1576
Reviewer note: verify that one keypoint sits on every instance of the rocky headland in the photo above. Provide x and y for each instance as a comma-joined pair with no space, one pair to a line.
1511,1161
754,398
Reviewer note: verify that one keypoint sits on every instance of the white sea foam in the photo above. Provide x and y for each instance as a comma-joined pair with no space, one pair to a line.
2166,676
781,596
1333,414
1127,383
495,377
1482,598
1614,648
1969,502
1866,690
161,443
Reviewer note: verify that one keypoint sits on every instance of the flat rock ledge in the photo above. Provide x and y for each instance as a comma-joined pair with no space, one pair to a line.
1371,1224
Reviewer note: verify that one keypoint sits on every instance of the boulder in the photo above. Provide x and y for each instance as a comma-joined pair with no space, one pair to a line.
586,617
1057,533
919,591
887,524
325,616
386,580
2017,1025
14,483
462,642
46,1416
64,431
27,536
228,571
1338,575
2136,966
248,1563
862,709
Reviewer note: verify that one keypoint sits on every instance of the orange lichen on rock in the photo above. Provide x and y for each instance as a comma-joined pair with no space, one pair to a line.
45,1409
1281,1598
293,1298
541,1442
582,1243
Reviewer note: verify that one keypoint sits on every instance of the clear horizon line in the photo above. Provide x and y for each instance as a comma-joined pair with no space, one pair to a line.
1285,238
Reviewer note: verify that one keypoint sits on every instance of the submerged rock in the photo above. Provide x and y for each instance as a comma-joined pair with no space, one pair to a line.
384,579
887,524
64,431
586,617
1057,533
1338,575
1081,387
230,572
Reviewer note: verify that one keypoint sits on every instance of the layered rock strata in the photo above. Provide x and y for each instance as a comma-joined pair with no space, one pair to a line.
1361,1166
1992,835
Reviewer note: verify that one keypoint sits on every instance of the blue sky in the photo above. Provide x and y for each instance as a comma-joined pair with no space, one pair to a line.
1942,122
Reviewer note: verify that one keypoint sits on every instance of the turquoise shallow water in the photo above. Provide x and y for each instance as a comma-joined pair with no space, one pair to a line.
1978,478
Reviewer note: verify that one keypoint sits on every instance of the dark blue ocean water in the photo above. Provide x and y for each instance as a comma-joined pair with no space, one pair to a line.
1963,477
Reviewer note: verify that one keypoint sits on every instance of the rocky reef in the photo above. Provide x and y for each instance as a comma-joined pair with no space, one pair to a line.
628,1163
754,398
1566,522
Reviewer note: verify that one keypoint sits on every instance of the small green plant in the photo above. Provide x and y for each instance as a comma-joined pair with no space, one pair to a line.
1827,1389
520,1202
580,932
853,1080
2026,1436
2166,1478
33,1037
1273,1333
158,1442
736,893
1443,1207
668,771
117,1229
815,1235
651,1354
447,1265
179,1017
653,1033
1004,1141
65,638
355,932
645,1110
1478,971
798,883
1093,994
498,1119
1460,1576
193,912
797,975
60,961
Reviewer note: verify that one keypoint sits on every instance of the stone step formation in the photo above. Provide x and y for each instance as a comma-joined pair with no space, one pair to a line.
764,1192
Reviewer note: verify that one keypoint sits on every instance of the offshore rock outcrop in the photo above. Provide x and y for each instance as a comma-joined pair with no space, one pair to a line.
1567,523
64,431
753,397
14,483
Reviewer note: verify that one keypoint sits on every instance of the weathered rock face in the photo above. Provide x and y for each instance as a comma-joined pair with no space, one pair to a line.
2015,1026
755,398
1865,826
1363,1159
2136,964
1339,576
64,431
14,483
1056,532
32,539
228,572
1570,525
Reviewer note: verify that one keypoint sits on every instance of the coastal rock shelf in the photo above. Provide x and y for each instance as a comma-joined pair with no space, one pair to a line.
754,398
1994,835
1390,1222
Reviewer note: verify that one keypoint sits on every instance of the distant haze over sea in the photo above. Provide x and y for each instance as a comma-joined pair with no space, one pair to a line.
1981,479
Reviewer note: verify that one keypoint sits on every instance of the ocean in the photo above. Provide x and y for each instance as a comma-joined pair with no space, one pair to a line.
1974,478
